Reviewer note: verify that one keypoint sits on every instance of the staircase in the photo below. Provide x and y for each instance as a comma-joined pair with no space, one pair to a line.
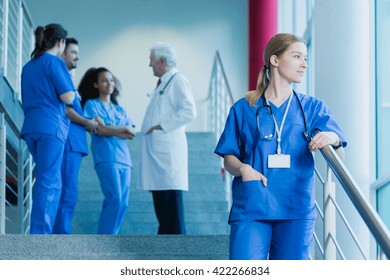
119,247
205,204
205,214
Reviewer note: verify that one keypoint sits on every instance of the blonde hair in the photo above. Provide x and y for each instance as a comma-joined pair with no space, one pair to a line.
277,45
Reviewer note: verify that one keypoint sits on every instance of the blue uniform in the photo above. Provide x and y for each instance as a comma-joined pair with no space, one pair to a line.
45,130
112,164
289,194
76,148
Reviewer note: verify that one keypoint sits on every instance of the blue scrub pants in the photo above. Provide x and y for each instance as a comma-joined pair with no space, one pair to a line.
271,239
115,181
70,179
47,151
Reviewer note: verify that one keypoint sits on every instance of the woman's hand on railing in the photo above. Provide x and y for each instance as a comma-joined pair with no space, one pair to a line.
323,138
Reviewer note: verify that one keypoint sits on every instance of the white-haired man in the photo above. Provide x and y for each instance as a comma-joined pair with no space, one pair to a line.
163,143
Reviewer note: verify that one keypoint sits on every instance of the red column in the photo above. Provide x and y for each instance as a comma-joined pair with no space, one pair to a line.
262,26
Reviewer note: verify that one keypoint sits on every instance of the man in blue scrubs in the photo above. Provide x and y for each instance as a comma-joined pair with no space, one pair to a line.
76,148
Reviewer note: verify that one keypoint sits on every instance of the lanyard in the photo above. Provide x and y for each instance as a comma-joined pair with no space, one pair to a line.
279,130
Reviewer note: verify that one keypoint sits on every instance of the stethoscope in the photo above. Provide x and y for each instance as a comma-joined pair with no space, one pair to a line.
272,135
161,92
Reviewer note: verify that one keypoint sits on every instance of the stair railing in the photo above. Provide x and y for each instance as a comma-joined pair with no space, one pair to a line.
16,176
3,131
379,188
362,205
220,99
16,166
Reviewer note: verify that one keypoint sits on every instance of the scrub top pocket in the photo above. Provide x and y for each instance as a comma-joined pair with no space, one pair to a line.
249,201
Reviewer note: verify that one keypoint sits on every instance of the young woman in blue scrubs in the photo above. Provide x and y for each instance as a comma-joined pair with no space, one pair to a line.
99,91
267,146
46,89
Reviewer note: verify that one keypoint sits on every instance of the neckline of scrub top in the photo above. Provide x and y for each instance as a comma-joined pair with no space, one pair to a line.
281,105
108,109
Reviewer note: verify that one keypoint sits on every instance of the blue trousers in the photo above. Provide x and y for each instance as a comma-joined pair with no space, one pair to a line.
47,152
271,239
168,205
70,179
115,184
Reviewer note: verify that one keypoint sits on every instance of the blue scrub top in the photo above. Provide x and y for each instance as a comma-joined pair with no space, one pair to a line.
290,191
43,80
109,148
77,138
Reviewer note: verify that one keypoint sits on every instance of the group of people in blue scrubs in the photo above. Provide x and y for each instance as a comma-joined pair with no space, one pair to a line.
55,127
267,145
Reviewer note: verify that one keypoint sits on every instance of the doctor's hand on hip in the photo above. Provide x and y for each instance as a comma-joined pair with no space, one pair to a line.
156,127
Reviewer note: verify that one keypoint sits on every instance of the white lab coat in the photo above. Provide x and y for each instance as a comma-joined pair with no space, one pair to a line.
163,161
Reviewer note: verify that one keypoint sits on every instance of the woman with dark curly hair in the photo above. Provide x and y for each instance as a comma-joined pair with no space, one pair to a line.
99,90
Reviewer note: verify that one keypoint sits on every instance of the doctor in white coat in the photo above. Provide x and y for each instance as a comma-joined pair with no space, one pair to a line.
163,143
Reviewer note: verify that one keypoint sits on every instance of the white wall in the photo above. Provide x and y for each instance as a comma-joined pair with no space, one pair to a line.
117,34
343,70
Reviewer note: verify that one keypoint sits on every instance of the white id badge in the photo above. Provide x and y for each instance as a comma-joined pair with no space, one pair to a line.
278,161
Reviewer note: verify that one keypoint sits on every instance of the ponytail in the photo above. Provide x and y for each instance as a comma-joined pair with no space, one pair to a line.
262,83
47,37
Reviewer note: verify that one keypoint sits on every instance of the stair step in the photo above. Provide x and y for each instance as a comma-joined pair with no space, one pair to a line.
149,216
120,247
189,206
147,196
202,182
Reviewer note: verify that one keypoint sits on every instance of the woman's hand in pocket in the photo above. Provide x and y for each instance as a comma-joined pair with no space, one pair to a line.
250,174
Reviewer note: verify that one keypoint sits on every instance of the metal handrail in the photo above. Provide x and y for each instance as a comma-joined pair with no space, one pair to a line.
220,96
220,100
318,243
218,61
337,247
380,183
366,211
17,164
349,227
